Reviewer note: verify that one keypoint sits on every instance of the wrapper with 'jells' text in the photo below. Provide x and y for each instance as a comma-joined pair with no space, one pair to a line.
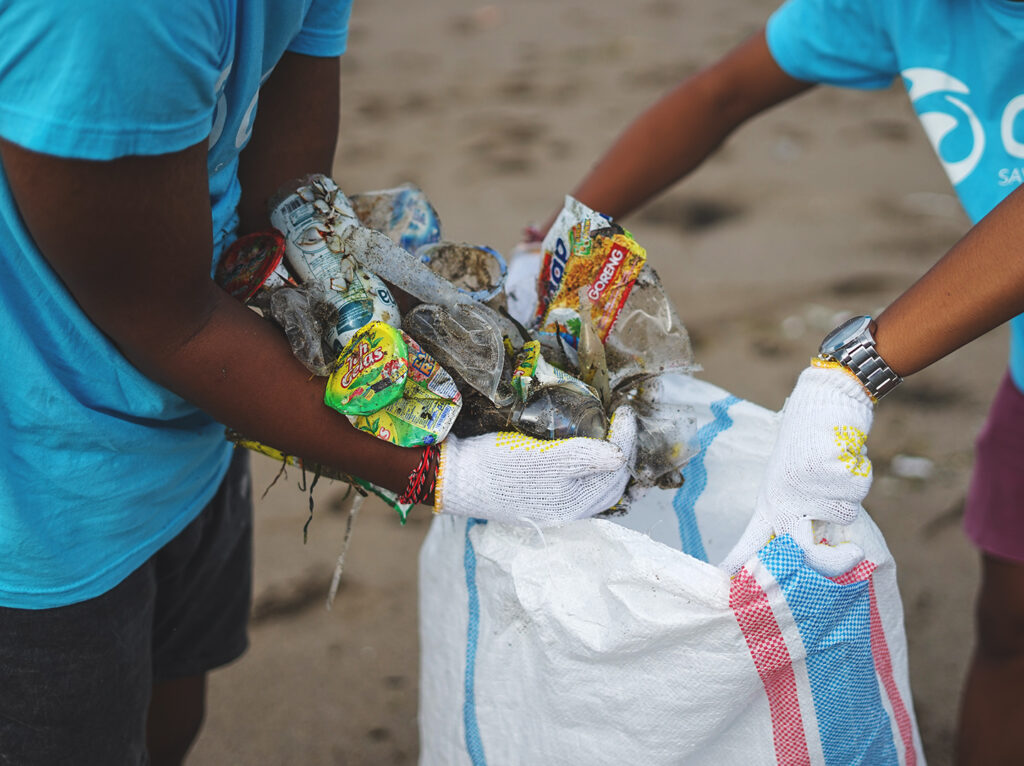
425,412
371,371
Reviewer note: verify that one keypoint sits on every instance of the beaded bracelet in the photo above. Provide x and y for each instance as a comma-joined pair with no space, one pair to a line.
422,478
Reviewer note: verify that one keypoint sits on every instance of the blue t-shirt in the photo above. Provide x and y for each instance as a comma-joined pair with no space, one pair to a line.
962,62
100,466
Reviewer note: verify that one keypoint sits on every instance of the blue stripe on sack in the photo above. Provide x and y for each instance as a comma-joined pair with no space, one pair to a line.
695,479
835,627
474,745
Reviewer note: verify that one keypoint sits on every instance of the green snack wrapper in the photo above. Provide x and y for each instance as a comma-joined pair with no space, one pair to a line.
371,371
428,407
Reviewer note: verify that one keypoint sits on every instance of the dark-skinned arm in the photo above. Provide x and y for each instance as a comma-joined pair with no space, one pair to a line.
677,133
295,132
131,239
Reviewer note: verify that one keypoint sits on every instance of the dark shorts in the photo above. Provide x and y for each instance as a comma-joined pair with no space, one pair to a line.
75,681
994,513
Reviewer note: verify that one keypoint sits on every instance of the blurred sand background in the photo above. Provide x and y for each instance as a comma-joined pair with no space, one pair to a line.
831,204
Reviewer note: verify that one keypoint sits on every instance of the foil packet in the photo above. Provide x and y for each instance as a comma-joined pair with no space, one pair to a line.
604,271
371,371
569,235
425,412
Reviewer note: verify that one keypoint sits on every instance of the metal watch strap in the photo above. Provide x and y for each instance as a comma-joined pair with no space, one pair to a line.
871,370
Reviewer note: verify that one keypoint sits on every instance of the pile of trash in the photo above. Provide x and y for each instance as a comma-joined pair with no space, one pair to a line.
414,335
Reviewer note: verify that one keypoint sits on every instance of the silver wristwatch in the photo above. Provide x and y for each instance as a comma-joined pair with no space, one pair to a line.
852,345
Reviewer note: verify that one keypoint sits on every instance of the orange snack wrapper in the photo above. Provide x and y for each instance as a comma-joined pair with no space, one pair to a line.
606,269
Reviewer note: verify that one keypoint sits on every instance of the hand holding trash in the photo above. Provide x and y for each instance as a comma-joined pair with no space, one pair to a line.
818,470
510,477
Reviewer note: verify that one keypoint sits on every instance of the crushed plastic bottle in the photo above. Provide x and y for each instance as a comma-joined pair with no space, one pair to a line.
466,341
403,213
309,214
648,337
559,412
382,257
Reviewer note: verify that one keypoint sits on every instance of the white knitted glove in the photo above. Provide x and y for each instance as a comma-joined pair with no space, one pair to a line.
513,478
818,470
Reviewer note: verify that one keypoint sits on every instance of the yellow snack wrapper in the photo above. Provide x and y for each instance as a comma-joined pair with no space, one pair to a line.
371,372
425,412
606,271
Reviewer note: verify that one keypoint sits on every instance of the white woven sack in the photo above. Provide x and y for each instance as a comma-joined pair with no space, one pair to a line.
614,641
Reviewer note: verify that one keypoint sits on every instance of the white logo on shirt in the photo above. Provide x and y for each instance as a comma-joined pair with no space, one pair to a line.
924,81
221,114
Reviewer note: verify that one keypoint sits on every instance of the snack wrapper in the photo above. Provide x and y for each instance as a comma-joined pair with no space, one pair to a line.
427,409
371,371
605,271
568,236
533,371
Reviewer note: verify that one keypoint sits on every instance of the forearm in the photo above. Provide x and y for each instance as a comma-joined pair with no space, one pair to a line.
240,369
295,133
677,133
976,286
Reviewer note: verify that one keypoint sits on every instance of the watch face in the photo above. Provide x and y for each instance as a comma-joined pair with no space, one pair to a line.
844,333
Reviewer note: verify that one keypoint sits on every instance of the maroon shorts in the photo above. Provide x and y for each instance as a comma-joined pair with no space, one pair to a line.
994,513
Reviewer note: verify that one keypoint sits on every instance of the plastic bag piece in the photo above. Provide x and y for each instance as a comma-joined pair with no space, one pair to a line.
551,412
591,358
403,214
465,340
648,338
305,314
666,433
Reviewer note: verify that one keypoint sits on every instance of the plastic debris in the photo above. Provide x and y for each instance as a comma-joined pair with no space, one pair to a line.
310,213
305,314
478,271
403,214
602,332
425,412
911,467
466,341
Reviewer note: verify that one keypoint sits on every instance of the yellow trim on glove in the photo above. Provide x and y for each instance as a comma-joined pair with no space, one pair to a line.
438,477
829,364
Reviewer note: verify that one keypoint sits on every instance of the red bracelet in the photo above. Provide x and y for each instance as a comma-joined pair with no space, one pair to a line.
422,478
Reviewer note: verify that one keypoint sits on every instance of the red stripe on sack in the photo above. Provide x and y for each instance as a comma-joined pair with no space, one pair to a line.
768,649
883,662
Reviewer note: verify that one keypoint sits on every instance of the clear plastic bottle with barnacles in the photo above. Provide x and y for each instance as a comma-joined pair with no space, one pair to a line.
308,212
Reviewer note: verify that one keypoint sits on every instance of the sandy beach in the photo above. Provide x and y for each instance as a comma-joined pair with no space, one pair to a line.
833,203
